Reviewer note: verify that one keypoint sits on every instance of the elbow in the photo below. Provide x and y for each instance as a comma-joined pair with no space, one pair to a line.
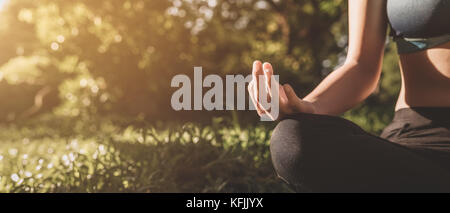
369,64
368,74
369,68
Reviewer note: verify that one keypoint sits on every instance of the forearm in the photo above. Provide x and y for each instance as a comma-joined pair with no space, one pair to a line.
344,88
356,80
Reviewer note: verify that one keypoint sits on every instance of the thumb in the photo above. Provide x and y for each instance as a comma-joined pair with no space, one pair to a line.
290,93
291,96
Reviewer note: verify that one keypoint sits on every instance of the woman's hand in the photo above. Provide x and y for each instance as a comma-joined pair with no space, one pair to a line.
289,102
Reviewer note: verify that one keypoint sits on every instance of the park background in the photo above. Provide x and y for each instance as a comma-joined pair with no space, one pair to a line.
85,90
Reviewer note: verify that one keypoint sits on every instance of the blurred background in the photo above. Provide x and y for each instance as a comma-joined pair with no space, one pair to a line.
85,90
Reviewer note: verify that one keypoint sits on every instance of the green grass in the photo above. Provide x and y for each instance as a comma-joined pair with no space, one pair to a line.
92,154
62,155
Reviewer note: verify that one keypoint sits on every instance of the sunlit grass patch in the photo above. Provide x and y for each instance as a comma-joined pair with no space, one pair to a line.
107,157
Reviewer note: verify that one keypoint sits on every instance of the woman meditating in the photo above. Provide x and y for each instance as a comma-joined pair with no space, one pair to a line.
314,150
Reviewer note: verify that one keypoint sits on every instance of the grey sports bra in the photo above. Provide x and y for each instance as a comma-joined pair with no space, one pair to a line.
416,25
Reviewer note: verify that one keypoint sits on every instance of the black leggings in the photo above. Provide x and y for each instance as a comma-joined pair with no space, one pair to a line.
320,153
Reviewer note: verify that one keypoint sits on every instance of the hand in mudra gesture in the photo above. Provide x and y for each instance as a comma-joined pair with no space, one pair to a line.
289,102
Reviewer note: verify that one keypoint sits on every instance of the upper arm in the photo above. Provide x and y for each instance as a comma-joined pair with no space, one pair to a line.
367,32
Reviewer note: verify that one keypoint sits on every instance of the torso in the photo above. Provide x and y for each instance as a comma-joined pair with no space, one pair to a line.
425,78
425,72
419,18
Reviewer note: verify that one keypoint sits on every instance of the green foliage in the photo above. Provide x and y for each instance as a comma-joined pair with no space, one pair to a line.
73,72
118,57
128,51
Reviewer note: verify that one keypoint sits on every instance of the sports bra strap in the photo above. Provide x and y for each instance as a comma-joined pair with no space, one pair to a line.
410,45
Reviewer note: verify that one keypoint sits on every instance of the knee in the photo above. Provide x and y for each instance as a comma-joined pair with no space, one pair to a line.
292,136
286,149
302,149
289,137
286,136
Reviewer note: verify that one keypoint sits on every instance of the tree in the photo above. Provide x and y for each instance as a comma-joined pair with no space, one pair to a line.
118,56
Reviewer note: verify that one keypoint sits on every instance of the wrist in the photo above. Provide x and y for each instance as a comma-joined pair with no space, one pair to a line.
313,106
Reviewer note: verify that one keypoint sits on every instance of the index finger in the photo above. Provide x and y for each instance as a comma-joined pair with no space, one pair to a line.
256,72
268,72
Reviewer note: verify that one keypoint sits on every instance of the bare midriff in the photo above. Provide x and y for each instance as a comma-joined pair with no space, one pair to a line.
425,78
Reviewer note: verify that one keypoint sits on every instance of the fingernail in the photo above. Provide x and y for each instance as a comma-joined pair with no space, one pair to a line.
287,88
